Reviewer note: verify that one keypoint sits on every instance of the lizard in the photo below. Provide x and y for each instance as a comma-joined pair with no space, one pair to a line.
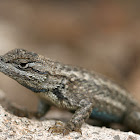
86,93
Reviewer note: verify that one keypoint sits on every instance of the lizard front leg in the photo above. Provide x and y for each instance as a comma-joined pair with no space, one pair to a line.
21,112
79,117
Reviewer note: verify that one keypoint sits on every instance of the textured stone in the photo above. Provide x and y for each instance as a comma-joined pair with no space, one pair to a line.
13,127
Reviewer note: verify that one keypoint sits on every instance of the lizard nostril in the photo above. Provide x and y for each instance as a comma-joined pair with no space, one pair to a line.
1,59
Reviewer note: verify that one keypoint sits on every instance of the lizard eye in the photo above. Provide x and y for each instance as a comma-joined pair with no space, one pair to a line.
23,65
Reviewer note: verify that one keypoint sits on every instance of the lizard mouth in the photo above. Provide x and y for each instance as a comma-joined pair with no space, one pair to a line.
15,73
21,76
8,69
11,71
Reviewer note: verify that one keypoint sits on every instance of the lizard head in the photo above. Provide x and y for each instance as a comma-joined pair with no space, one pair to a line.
27,68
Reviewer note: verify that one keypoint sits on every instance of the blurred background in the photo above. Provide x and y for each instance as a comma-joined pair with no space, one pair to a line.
99,35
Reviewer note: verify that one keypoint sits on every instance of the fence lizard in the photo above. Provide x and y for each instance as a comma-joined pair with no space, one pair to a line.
86,93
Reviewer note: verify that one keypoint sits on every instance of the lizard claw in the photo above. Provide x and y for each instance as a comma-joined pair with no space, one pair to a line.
78,130
60,128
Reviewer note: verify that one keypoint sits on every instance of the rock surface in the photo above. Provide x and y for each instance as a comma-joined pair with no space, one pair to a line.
14,127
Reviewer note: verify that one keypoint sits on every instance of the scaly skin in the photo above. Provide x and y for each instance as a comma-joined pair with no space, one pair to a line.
86,93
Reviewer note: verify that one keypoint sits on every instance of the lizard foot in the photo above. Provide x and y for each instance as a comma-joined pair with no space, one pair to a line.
60,128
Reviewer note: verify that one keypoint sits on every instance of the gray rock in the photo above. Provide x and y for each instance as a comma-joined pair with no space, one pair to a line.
14,128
